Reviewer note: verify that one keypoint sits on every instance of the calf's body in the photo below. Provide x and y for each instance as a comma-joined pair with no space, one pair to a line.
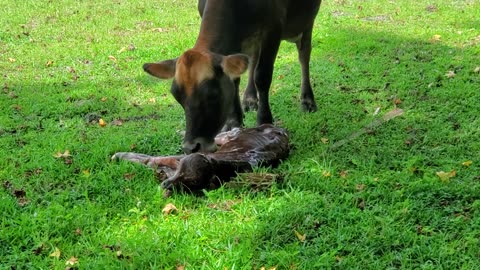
240,150
236,35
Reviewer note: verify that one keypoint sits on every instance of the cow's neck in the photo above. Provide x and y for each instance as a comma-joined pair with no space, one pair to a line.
218,31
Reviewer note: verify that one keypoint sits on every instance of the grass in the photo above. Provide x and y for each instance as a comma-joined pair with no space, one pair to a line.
375,202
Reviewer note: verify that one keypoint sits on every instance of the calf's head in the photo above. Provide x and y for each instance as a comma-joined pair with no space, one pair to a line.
203,84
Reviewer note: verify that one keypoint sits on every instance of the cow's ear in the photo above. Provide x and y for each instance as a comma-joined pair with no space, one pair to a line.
162,70
235,65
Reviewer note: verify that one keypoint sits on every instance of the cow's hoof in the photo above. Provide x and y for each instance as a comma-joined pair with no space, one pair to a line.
250,104
309,105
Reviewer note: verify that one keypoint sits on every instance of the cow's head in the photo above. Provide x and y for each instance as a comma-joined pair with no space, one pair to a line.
203,83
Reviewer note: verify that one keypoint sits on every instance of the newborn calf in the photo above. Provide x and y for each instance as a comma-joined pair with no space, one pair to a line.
240,150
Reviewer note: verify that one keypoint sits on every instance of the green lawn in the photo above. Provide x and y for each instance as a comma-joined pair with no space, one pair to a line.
404,194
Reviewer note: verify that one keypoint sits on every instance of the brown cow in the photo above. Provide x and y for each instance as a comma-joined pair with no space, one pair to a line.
232,32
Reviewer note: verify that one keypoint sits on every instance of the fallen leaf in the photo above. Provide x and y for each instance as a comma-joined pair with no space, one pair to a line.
326,174
477,70
122,49
102,122
131,47
49,63
450,74
128,176
152,100
103,99
65,154
11,60
161,30
180,267
78,231
112,58
56,253
86,172
72,261
397,101
117,122
445,176
343,174
377,110
169,209
301,237
324,140
361,204
467,163
431,8
360,187
436,38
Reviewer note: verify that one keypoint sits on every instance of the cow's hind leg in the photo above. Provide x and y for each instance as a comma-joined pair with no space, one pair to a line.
250,99
304,48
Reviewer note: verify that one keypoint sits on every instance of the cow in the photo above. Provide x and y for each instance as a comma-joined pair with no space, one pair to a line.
236,35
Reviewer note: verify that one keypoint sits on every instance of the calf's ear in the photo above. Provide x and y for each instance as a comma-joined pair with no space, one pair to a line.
162,70
235,65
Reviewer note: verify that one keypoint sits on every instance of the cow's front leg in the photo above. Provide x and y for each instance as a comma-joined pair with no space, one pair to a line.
304,48
235,119
250,98
263,77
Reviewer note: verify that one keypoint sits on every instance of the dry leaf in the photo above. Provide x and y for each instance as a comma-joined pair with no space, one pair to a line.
122,49
11,60
103,99
131,47
128,176
450,74
343,174
477,70
301,237
117,122
180,267
169,209
397,101
326,174
56,253
49,63
360,187
467,163
324,140
112,58
78,231
65,154
161,30
445,176
436,38
102,122
72,261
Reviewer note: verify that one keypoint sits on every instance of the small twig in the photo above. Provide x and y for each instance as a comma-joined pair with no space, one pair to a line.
377,122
